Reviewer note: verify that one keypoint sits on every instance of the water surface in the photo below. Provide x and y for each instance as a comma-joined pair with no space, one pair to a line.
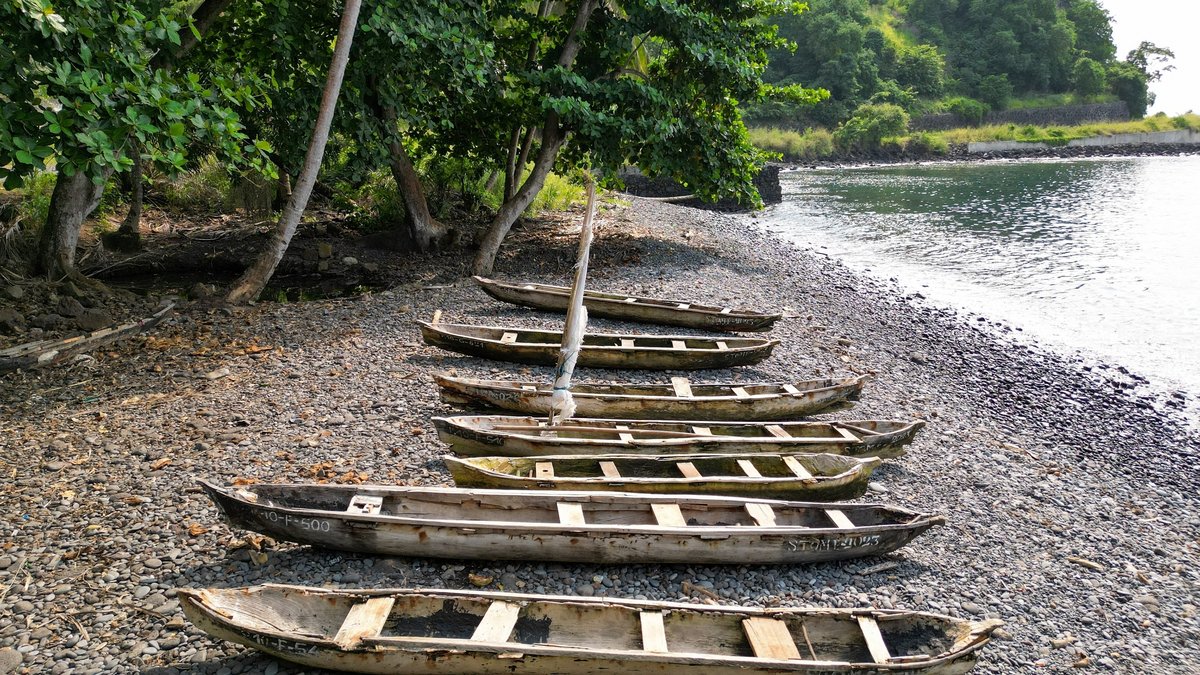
1099,255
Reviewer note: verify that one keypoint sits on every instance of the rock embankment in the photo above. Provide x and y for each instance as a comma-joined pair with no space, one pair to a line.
1071,506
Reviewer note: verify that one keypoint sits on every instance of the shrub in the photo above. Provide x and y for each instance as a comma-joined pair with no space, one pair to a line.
995,91
204,189
557,194
34,204
968,110
870,124
809,144
927,143
1088,77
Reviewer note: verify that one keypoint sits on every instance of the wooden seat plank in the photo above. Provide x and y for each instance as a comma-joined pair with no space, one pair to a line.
702,431
875,643
726,310
741,392
627,343
509,337
777,431
654,634
609,470
770,638
678,344
721,346
498,622
846,434
682,387
791,389
688,470
543,470
623,432
528,387
365,620
630,300
668,515
762,514
365,505
839,519
683,305
796,467
748,468
570,513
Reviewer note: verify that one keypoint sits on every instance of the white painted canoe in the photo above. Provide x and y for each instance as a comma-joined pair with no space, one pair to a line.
452,632
679,400
591,527
519,436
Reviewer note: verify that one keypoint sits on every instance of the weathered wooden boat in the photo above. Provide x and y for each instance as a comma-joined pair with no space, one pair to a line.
460,632
46,352
592,527
680,400
812,477
631,308
600,350
518,436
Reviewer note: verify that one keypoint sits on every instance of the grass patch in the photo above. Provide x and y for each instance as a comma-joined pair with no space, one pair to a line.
1052,100
205,189
1059,135
807,144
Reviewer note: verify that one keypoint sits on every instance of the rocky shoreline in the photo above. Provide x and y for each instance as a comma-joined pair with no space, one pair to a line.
1071,504
958,153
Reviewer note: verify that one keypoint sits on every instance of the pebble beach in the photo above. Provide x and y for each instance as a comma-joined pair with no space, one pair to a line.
1070,496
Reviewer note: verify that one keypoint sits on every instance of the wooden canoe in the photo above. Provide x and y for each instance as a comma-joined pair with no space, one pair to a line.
517,436
816,477
591,527
631,308
680,400
463,632
600,350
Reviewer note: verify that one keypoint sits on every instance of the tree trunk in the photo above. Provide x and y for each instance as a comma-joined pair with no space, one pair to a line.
130,230
255,279
424,232
73,200
552,140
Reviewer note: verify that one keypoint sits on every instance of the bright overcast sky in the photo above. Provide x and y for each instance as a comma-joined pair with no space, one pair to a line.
1167,23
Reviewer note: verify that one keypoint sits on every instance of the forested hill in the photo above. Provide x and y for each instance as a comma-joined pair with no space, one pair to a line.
933,55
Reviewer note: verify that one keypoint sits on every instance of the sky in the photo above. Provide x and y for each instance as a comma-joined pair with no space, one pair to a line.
1167,23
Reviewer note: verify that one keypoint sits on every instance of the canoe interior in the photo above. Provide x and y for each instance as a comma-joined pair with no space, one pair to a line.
499,506
596,429
677,305
820,465
834,637
699,391
553,339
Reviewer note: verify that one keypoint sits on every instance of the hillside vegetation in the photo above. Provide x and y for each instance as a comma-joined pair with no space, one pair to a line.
967,58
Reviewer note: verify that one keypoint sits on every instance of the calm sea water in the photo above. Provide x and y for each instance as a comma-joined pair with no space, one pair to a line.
1100,256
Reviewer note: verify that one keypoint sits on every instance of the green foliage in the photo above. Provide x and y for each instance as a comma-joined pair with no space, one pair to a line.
1060,135
1093,30
203,189
794,145
924,142
373,203
968,110
1130,85
1089,78
558,194
869,125
1151,60
79,79
922,68
34,204
995,91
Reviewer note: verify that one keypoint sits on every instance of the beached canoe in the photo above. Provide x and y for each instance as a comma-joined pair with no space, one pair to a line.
600,350
463,632
680,400
591,527
818,477
631,308
518,436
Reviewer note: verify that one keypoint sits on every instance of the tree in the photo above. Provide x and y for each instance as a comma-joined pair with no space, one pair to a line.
1130,85
1089,77
86,89
255,279
921,67
1093,30
1151,60
650,83
994,91
870,125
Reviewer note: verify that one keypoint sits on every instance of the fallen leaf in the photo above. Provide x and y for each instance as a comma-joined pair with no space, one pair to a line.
258,557
159,463
196,529
67,494
134,500
479,580
244,481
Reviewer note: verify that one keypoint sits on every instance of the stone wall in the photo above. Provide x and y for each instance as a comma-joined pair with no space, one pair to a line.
767,183
1063,115
1178,137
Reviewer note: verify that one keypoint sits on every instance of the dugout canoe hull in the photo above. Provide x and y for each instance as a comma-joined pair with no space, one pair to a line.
591,527
520,436
680,400
808,477
464,632
600,350
630,307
